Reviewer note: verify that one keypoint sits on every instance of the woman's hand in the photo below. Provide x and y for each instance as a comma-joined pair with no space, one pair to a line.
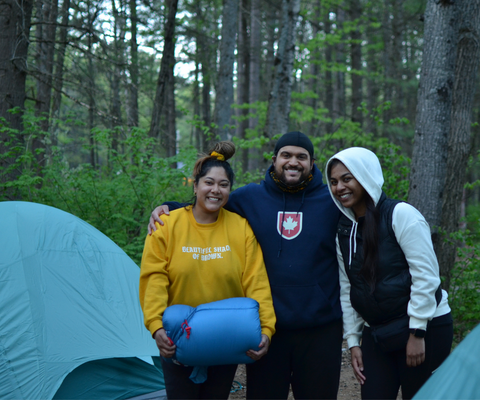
357,364
415,351
155,218
164,343
264,345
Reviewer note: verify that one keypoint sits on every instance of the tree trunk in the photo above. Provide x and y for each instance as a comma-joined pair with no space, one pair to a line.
372,86
59,65
243,68
355,12
328,73
387,67
339,102
254,161
207,85
170,139
119,48
429,157
278,112
132,114
466,71
266,73
91,95
197,132
14,39
168,60
224,89
47,12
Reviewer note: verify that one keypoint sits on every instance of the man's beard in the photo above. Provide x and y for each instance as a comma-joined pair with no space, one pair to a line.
281,175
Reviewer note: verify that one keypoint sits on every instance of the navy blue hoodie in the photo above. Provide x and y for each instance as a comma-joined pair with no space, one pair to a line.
298,248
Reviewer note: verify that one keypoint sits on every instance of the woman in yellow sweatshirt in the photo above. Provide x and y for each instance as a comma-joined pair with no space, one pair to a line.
203,253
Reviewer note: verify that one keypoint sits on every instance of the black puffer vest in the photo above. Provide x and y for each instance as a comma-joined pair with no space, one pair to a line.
390,298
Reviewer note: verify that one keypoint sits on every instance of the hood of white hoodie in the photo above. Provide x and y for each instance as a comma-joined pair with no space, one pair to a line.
364,165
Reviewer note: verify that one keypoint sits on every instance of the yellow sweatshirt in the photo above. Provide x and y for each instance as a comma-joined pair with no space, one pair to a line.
185,262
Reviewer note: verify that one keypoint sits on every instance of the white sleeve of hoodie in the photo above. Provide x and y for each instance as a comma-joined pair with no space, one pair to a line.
413,235
352,321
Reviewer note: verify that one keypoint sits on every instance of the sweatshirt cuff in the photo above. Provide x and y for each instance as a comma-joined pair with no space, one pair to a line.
416,323
353,341
268,332
155,326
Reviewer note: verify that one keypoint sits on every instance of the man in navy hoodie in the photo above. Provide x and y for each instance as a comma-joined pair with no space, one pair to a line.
294,219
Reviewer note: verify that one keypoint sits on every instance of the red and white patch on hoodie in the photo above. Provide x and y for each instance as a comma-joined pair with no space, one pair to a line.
289,224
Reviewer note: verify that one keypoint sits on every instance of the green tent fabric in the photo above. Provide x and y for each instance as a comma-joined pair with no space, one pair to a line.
69,312
459,375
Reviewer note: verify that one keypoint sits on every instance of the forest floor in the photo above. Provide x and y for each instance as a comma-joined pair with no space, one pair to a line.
349,388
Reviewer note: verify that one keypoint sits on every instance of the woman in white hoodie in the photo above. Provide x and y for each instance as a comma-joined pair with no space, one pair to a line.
397,320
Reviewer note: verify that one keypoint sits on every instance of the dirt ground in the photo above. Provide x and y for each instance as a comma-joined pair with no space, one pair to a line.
349,388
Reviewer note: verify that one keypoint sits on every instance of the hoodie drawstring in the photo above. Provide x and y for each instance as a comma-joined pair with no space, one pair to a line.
281,225
353,236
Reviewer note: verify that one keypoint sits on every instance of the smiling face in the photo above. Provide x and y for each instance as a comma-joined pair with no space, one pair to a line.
292,165
347,190
212,190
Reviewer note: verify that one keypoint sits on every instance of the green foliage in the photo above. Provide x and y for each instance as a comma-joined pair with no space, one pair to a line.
395,165
116,198
464,291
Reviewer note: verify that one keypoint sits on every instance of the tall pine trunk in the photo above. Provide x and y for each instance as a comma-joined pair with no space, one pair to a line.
459,141
278,112
132,114
243,68
355,12
168,60
429,159
224,87
59,66
14,40
47,11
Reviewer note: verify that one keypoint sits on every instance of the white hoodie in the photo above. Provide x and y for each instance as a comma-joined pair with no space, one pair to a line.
413,235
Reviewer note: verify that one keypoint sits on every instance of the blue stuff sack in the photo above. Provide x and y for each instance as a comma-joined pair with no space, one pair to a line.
216,333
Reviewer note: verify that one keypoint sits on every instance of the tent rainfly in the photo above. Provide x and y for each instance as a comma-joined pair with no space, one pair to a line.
459,376
71,326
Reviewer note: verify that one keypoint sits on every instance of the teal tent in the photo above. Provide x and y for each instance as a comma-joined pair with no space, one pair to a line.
71,326
459,375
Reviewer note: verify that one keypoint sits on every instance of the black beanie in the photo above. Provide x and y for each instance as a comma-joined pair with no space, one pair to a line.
296,138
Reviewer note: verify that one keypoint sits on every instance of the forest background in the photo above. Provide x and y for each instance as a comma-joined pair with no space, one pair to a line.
105,105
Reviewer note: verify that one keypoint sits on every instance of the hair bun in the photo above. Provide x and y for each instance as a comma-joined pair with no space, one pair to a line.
225,148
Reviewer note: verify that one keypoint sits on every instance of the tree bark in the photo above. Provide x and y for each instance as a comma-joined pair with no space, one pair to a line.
339,102
132,116
117,71
328,73
170,137
224,87
254,82
278,112
168,60
459,141
59,65
47,12
15,19
355,12
243,68
387,67
432,127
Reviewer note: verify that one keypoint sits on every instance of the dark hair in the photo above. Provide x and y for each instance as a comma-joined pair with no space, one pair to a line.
205,163
370,242
369,235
